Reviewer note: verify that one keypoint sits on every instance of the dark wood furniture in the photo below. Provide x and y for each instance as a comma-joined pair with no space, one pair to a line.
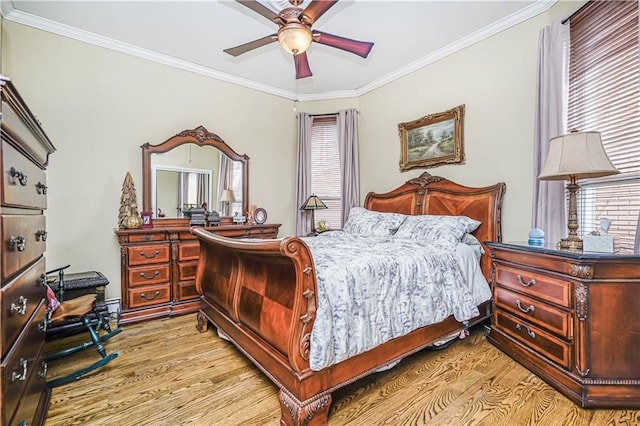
159,264
571,318
24,396
262,296
159,267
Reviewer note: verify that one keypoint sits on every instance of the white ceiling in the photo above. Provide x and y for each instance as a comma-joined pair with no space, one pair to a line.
192,34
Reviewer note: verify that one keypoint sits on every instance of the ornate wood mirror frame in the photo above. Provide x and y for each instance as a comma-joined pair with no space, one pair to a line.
200,137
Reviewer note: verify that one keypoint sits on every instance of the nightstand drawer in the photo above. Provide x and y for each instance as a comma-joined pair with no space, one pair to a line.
535,338
543,287
551,318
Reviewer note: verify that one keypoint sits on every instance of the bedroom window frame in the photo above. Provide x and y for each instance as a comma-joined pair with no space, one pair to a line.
326,177
604,95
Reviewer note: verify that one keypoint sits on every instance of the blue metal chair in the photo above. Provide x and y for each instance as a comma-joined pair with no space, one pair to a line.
94,321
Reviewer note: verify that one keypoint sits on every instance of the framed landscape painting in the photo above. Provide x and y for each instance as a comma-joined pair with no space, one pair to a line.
432,140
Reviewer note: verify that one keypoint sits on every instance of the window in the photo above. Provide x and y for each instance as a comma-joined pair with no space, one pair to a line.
326,180
604,95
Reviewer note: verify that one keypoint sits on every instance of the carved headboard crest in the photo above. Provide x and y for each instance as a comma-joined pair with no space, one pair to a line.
425,179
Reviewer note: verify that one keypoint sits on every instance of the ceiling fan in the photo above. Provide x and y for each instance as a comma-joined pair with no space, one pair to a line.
295,33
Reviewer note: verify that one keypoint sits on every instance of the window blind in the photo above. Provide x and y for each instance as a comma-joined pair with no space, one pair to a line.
326,180
604,95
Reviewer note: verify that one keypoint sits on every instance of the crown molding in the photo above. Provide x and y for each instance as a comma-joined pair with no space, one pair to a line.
509,21
14,15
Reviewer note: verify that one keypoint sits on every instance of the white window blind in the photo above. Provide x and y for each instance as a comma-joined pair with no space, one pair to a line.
326,180
604,95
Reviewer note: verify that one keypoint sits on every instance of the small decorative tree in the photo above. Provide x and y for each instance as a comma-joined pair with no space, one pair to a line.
128,205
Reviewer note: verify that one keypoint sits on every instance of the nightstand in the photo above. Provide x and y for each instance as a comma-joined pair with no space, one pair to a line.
571,318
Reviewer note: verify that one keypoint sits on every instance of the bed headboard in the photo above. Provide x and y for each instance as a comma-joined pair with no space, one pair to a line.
436,195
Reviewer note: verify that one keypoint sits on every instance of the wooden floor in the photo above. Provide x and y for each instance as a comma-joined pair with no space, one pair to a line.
169,374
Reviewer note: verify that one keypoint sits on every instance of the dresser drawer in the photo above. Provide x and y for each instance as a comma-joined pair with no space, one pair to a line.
20,298
187,291
187,270
147,275
23,362
543,287
189,251
152,295
148,254
24,184
31,405
22,240
549,317
146,237
535,338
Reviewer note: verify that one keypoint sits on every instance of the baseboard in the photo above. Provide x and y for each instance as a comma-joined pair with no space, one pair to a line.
113,305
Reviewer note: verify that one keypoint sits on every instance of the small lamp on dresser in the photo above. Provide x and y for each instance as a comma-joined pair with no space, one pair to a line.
573,156
313,203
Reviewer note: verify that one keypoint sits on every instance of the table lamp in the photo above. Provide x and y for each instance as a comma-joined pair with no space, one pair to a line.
573,156
313,203
227,197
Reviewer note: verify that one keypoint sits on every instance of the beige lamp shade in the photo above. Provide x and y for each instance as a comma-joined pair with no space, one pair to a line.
228,196
578,154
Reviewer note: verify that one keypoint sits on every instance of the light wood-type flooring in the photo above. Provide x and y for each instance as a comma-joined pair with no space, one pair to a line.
169,374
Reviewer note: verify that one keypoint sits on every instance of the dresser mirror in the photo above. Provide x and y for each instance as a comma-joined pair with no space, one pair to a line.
193,169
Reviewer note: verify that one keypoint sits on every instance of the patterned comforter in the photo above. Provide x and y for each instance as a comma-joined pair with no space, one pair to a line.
372,289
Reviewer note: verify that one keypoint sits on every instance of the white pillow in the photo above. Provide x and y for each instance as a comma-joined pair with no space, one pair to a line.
441,230
367,222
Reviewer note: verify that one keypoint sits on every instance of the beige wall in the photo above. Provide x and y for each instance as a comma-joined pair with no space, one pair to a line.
99,106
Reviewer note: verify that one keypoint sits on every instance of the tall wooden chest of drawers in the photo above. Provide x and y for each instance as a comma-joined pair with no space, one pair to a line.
25,153
159,268
571,318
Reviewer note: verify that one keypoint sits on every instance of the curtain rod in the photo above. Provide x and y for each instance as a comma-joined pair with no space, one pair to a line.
567,19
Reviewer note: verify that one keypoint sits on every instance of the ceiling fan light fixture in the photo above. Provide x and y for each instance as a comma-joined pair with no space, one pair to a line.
295,38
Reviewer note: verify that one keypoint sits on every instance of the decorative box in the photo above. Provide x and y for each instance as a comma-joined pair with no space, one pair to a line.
597,243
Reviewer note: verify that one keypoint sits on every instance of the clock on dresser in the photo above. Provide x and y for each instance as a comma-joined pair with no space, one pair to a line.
572,318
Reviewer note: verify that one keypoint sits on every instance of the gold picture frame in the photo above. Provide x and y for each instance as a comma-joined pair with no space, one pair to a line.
432,140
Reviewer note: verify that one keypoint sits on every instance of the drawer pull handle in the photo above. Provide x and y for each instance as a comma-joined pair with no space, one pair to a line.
43,326
23,376
41,235
528,283
43,373
155,274
148,237
145,297
41,188
531,308
20,307
42,279
18,242
157,252
22,178
529,332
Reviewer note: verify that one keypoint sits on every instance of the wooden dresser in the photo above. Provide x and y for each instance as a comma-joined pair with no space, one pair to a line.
573,319
159,268
25,154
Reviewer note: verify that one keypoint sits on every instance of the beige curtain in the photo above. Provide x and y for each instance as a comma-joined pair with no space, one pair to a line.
549,213
303,167
349,165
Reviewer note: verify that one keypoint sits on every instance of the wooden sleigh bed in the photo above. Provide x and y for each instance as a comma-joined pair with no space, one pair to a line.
261,295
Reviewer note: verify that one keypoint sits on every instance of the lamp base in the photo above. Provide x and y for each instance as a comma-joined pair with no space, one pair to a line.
571,244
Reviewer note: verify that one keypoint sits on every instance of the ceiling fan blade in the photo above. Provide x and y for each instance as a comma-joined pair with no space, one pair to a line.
259,8
360,48
302,66
316,9
244,48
